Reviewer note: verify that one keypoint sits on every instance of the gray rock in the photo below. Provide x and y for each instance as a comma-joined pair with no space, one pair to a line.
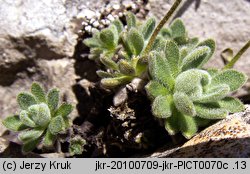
3,144
229,137
32,30
46,28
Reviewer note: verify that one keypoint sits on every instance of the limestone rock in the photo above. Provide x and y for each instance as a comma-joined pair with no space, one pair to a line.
3,144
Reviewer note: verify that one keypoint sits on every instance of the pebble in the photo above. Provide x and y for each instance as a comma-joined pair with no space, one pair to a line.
110,17
88,28
92,21
96,24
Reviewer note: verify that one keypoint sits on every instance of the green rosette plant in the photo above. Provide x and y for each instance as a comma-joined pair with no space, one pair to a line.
40,119
119,48
76,146
123,50
183,93
187,96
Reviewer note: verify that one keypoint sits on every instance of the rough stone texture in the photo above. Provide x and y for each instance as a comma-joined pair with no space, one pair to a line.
227,138
3,144
37,40
38,29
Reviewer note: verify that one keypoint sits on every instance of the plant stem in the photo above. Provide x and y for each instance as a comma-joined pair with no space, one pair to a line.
237,56
160,25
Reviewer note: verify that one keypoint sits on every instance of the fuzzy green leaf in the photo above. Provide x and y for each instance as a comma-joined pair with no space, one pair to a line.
30,135
191,81
210,111
172,56
232,78
135,41
57,125
214,94
25,100
186,48
131,20
53,99
116,81
92,42
183,53
161,107
178,29
184,104
159,44
166,33
76,145
40,114
231,104
172,123
212,71
188,126
67,122
114,29
109,63
148,28
202,122
14,123
38,92
31,145
108,38
211,44
118,24
26,120
195,58
155,89
125,44
64,110
49,139
95,53
103,74
159,69
192,43
126,68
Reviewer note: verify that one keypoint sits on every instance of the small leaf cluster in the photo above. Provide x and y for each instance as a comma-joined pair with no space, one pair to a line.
184,94
177,32
76,145
40,119
119,48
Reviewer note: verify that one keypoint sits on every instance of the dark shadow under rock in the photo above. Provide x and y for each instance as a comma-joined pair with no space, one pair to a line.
133,129
11,73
